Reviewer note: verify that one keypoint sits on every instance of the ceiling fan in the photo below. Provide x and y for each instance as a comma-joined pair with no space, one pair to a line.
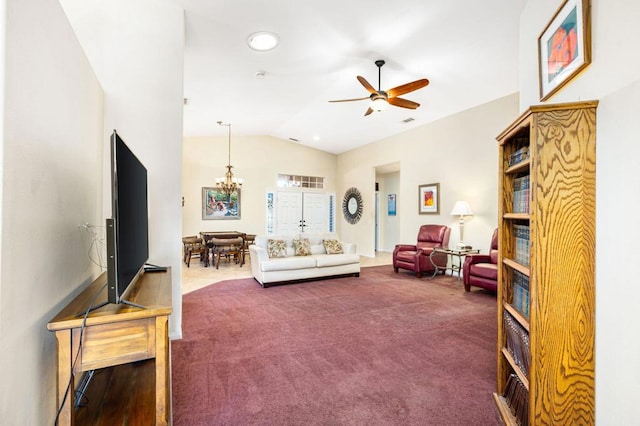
380,98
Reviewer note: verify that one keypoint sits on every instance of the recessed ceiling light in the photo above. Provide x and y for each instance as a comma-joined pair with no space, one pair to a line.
263,41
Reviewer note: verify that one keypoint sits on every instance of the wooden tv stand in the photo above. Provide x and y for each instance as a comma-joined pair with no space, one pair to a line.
115,335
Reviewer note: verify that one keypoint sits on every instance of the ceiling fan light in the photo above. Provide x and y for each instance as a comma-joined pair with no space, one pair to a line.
263,41
379,104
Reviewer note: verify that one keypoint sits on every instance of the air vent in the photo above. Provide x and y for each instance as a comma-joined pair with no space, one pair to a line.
408,120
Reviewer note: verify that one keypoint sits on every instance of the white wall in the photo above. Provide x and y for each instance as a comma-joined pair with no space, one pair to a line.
51,176
459,152
3,6
137,49
614,79
257,160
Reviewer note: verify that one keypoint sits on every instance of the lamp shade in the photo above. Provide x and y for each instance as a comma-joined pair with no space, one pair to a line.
461,208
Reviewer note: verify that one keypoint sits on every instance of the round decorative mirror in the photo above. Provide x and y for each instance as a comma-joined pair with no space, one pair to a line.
352,205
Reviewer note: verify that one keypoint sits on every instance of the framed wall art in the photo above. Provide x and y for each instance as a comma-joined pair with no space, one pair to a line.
564,47
352,205
391,205
218,205
429,198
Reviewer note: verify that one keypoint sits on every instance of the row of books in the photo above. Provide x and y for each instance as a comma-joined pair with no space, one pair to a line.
522,246
521,293
517,397
521,193
517,343
518,156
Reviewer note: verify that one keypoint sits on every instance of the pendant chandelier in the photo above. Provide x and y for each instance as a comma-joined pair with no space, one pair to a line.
229,183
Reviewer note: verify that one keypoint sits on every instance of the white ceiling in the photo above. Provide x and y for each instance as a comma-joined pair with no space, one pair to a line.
468,49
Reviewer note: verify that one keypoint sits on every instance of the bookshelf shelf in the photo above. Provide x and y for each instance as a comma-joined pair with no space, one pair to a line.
522,166
546,257
516,266
504,410
516,216
515,367
524,322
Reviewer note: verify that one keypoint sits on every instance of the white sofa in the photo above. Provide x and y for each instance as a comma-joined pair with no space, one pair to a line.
267,270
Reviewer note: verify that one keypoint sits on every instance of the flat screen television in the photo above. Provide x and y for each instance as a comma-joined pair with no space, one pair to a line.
128,228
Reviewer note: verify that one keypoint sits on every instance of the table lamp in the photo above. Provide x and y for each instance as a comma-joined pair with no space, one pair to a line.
462,209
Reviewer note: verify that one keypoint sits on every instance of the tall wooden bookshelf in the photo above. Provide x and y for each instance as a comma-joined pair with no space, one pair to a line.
546,297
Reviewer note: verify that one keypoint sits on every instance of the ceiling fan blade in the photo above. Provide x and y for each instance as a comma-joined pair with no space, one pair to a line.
404,103
349,100
369,111
406,88
366,85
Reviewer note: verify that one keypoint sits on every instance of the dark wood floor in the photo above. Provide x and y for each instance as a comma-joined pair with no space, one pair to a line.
120,395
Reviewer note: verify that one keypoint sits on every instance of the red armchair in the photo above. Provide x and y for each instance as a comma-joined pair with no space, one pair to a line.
416,257
481,270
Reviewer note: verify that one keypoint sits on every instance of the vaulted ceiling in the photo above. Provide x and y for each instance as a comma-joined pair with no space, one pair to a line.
468,50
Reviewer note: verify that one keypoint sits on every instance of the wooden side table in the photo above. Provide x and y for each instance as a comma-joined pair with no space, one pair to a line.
459,254
114,335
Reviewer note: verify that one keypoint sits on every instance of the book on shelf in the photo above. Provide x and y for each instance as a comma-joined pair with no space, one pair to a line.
517,397
522,246
521,293
521,193
517,343
518,156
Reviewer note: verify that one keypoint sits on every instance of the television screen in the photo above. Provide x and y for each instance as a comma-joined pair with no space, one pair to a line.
127,230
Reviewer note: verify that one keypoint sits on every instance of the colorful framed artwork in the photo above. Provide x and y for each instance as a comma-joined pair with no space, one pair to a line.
564,47
429,198
218,205
391,205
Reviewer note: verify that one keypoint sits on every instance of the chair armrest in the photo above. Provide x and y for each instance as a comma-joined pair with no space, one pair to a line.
472,259
404,247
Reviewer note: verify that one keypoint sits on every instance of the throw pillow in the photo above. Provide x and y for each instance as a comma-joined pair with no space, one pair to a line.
277,248
302,247
332,246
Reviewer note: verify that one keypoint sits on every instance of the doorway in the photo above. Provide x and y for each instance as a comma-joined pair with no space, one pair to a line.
302,212
387,223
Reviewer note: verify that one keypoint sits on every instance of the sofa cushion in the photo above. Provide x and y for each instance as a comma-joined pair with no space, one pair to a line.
484,270
284,264
332,246
262,240
276,248
302,246
336,259
318,249
317,238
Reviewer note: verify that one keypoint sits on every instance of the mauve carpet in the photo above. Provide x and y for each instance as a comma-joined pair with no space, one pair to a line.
381,349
